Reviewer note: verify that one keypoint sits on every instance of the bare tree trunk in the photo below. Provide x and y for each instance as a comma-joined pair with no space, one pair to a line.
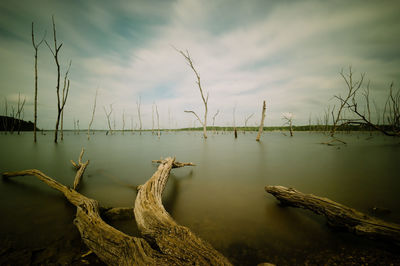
77,125
205,99
337,214
138,103
247,119
5,121
288,117
60,103
132,124
108,118
215,115
36,47
123,122
165,242
158,123
20,108
91,120
152,119
261,128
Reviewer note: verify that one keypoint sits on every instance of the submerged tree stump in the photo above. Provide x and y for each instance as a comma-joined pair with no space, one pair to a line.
164,243
338,215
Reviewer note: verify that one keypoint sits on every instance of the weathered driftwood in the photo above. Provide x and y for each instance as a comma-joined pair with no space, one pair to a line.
338,215
166,242
80,169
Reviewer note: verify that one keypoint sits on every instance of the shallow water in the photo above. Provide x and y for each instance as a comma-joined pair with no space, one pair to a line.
222,199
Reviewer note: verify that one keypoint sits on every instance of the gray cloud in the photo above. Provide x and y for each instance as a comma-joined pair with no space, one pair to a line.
289,53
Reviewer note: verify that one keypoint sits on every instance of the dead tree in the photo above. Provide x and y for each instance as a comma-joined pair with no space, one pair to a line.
261,128
20,110
91,120
152,119
132,124
288,118
391,111
108,114
158,122
138,104
60,102
246,119
64,99
123,121
165,242
338,215
234,121
353,87
215,115
77,125
205,99
5,121
36,47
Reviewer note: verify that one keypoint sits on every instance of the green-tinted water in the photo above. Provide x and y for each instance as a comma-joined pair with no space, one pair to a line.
222,199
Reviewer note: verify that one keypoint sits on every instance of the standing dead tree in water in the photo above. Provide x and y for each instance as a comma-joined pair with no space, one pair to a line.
138,104
353,87
164,241
205,99
215,115
91,120
108,115
391,111
246,119
5,124
19,113
123,121
288,118
234,122
64,99
152,118
36,47
261,128
158,122
60,103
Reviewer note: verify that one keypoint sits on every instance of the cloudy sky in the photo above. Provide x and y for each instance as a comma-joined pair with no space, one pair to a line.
289,53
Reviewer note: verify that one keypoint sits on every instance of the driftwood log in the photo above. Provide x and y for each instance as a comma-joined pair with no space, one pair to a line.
338,215
165,242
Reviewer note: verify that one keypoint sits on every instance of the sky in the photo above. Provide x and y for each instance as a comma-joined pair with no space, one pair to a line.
288,53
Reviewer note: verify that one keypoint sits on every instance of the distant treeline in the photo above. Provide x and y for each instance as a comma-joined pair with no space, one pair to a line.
285,128
12,124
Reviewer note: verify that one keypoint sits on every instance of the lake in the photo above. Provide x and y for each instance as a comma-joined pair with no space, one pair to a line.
221,199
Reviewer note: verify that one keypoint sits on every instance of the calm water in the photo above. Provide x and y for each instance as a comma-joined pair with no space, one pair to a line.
222,199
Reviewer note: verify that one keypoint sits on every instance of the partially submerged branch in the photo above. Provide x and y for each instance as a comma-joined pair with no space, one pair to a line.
338,215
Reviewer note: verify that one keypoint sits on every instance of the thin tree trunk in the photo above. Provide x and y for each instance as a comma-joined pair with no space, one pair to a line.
91,120
261,128
36,47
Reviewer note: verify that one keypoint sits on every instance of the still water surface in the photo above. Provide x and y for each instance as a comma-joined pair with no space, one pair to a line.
222,199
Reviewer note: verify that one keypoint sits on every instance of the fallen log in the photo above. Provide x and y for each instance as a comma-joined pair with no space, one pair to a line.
165,241
338,215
